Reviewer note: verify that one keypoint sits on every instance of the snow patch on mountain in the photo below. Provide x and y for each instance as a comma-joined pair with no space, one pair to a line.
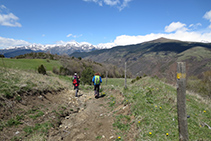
83,46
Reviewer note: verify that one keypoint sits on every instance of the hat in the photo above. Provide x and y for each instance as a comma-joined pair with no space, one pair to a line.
75,74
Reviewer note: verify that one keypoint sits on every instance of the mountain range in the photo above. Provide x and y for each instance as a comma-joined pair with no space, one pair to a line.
68,48
156,58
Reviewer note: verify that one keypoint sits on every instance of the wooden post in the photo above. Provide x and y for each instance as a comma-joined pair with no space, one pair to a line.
125,75
106,76
181,101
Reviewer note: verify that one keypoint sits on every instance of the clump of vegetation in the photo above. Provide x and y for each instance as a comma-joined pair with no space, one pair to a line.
38,55
137,78
14,82
122,122
13,121
38,127
201,86
42,70
78,65
63,71
2,56
87,76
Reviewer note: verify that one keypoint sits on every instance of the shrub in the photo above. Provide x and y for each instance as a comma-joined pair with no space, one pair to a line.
201,86
55,70
12,122
63,71
87,75
42,70
1,56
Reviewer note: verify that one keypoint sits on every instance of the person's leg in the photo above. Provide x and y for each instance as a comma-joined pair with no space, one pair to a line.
95,90
76,91
98,89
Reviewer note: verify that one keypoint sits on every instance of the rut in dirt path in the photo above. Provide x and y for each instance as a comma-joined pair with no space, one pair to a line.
93,121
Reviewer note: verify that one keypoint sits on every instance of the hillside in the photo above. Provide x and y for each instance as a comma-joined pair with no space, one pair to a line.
62,65
44,108
157,57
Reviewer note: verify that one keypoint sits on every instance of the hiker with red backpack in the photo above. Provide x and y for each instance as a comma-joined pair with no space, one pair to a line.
97,80
76,82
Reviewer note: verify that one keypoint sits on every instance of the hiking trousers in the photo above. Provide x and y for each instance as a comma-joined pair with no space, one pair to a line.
76,90
97,89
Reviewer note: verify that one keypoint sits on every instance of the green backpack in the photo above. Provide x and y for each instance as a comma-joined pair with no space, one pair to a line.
97,79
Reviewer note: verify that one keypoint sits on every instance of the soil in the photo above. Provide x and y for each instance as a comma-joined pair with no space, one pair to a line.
82,118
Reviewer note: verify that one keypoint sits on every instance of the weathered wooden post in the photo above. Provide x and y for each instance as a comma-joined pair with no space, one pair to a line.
181,101
125,75
106,76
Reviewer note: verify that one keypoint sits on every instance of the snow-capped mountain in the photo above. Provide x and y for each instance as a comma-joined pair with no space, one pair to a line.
60,48
35,47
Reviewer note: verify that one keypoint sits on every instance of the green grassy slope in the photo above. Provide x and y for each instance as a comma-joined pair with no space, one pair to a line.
154,106
199,53
29,64
13,82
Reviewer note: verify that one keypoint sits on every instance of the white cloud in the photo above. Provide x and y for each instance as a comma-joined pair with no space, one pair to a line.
195,26
120,4
2,7
95,1
175,26
181,33
207,16
74,36
124,4
69,35
8,19
9,42
111,2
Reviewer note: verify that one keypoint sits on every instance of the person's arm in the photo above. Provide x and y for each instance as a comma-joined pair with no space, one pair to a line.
101,80
93,79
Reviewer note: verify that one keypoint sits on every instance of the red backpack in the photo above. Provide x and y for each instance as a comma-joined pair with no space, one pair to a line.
75,82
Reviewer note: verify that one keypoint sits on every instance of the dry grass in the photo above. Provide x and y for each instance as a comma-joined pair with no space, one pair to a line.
13,81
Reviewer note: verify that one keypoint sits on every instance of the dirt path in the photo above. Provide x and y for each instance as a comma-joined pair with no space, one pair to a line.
92,121
71,118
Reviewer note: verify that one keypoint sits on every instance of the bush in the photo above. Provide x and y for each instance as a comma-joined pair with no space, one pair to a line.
201,86
42,70
1,56
137,78
87,76
55,70
63,71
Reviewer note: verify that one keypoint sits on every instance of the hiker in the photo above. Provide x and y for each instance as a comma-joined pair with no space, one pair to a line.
76,82
97,80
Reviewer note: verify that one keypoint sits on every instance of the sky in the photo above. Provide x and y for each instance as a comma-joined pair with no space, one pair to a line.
102,22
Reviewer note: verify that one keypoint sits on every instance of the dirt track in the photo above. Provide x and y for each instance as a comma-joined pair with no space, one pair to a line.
73,118
93,120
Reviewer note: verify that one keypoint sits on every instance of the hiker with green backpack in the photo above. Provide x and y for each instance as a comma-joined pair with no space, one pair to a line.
97,80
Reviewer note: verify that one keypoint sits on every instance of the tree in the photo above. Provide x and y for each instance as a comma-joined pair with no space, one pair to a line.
42,70
87,75
1,56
